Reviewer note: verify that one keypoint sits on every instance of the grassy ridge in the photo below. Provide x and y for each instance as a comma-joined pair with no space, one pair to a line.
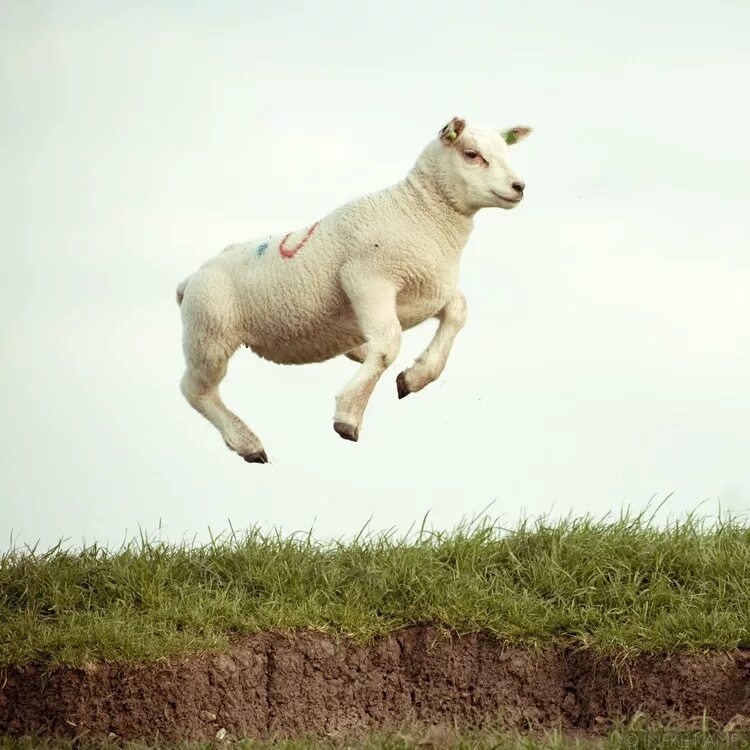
621,585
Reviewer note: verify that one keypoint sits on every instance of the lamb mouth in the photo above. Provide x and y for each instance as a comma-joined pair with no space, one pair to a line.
505,198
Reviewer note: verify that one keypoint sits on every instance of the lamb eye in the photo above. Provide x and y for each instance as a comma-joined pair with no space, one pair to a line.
470,154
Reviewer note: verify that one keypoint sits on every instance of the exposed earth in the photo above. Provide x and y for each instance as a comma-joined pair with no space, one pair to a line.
311,683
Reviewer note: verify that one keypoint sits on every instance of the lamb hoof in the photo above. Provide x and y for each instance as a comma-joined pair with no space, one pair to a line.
346,431
401,386
256,458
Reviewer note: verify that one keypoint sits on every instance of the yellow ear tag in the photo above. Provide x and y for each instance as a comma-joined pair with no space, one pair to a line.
452,135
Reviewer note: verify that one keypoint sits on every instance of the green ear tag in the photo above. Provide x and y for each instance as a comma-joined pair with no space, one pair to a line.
452,135
510,137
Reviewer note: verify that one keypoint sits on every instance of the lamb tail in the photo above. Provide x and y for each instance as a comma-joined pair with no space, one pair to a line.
181,290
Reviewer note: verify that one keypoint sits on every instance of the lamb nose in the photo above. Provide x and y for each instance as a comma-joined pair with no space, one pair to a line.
519,187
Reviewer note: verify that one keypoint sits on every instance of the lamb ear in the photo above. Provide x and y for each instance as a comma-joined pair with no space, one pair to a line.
513,135
450,132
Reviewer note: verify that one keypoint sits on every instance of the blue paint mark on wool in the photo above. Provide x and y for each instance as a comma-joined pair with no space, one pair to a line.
262,249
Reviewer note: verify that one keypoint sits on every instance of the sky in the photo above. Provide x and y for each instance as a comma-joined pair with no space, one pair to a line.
606,359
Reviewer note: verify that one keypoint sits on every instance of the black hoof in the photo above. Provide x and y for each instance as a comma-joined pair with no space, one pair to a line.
401,386
346,431
256,458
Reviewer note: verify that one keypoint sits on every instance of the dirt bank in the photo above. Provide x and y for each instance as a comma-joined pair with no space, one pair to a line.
270,683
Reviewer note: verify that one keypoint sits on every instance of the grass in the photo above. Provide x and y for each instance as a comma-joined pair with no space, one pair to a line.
624,738
622,585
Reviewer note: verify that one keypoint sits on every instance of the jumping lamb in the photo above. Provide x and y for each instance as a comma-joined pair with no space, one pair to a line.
349,283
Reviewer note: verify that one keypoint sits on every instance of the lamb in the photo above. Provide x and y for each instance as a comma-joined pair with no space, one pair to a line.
349,283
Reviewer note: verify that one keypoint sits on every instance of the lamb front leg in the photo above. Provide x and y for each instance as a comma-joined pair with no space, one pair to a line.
431,363
373,301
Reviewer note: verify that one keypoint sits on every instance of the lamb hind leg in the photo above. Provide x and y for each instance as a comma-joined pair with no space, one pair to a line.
431,363
206,367
374,305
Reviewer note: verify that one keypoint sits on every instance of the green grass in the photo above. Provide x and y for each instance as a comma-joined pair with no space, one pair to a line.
623,585
624,738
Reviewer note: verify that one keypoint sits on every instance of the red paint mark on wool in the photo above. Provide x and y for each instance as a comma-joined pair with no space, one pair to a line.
290,252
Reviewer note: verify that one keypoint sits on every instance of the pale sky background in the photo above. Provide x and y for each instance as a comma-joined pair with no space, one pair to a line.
607,355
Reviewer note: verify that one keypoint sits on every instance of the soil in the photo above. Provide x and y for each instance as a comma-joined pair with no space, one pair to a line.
310,683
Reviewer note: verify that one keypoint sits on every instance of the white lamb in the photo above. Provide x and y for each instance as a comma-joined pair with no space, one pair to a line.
350,283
